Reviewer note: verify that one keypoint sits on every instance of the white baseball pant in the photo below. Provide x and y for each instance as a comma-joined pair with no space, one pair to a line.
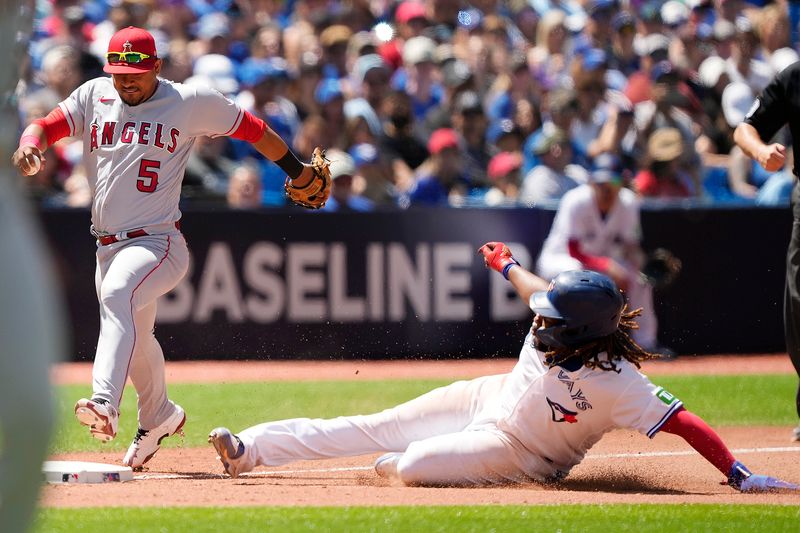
129,278
448,435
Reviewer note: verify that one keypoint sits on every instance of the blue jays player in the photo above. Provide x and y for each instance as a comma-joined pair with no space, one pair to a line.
576,379
137,132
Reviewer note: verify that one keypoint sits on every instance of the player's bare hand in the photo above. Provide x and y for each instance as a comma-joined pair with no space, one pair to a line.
772,157
28,159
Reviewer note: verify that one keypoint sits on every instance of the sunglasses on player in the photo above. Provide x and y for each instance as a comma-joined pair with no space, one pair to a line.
126,57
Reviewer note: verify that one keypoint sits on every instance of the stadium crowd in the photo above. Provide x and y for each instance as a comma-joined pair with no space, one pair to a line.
443,102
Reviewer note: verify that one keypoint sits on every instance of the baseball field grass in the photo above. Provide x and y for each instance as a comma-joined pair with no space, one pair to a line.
761,400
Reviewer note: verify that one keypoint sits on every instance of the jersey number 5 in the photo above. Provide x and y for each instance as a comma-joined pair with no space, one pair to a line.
148,177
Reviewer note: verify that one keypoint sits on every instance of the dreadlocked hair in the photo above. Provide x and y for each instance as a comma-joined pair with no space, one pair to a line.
619,345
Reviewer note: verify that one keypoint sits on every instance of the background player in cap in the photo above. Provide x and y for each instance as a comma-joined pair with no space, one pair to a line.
137,131
575,380
776,106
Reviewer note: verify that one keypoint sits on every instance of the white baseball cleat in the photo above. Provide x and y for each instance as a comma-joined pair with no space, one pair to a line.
100,416
148,441
386,465
230,450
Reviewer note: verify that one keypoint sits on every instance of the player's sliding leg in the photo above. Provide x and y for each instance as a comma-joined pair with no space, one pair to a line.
158,416
133,275
444,410
467,458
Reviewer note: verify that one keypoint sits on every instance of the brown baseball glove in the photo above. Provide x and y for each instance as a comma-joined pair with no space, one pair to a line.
315,194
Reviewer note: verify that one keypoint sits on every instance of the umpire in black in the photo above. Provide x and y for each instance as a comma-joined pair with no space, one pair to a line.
778,105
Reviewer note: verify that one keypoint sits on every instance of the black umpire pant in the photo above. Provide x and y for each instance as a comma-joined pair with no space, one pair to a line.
791,299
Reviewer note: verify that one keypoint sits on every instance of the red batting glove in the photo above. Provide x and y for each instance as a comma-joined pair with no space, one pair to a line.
497,256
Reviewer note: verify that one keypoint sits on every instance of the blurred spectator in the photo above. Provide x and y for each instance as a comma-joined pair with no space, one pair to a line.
216,71
662,177
723,33
207,170
505,136
412,19
742,64
330,98
61,72
505,177
457,78
381,184
244,188
548,60
333,40
441,179
548,181
371,79
471,123
559,110
417,78
343,198
399,130
773,30
597,227
623,56
714,78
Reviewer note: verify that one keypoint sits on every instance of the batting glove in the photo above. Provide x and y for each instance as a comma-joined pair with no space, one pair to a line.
497,256
742,479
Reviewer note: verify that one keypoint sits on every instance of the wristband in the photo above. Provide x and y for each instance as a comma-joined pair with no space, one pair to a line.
30,140
290,164
506,268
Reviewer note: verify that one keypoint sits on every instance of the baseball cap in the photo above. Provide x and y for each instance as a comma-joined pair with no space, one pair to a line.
328,90
213,25
500,128
455,73
132,39
503,164
561,100
366,63
723,30
593,59
605,169
418,50
674,13
737,98
255,71
333,35
663,71
341,163
665,144
468,102
408,11
653,44
782,58
623,19
597,7
442,139
364,154
711,69
220,70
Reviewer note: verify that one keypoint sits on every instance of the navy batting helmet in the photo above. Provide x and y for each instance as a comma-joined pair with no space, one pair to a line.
588,305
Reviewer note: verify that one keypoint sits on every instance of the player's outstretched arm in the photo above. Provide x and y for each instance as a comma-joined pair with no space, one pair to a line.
497,256
705,440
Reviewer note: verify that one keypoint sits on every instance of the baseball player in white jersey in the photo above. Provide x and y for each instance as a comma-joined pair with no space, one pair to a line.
597,227
137,132
576,379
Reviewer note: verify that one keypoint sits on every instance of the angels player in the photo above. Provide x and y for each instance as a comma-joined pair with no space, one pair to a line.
597,227
137,132
576,379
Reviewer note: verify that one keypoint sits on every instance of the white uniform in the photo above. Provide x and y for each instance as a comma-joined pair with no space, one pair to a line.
135,158
534,423
578,218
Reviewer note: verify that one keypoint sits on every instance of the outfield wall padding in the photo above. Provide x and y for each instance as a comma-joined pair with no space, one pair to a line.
285,284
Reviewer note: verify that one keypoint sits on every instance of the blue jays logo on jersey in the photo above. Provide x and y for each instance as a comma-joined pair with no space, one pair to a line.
560,413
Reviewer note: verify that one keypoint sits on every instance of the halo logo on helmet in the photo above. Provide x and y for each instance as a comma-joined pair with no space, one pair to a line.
587,305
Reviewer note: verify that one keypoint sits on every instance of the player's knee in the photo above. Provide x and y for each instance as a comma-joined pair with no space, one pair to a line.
114,294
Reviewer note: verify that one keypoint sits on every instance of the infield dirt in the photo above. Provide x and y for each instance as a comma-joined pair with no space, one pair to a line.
637,473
